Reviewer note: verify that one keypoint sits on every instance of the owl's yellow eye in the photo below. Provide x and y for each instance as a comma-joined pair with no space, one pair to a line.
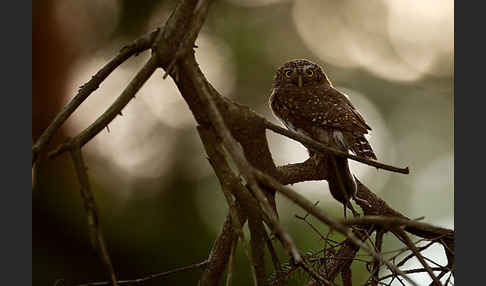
309,73
288,73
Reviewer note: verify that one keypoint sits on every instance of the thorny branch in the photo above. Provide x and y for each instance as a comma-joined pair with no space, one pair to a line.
91,211
115,109
227,128
88,88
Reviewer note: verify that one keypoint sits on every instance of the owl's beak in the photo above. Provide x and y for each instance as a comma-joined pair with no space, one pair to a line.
299,81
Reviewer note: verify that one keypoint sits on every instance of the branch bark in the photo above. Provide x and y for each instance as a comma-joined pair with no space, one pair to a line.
97,238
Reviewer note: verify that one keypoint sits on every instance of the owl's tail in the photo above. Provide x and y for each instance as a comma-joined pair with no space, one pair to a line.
361,147
341,182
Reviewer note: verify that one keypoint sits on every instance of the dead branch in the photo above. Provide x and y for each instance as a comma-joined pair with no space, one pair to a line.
88,88
91,211
138,281
402,235
324,148
319,214
115,109
225,127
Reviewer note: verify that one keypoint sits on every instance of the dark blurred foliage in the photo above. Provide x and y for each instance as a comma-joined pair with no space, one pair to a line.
171,218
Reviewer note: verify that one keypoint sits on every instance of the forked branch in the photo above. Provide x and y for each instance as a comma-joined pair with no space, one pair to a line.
88,88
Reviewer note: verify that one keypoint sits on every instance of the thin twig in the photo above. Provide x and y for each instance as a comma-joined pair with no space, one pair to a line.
326,251
313,273
91,210
304,218
273,255
400,233
239,230
324,148
138,281
86,89
448,279
441,274
411,255
412,271
308,206
128,93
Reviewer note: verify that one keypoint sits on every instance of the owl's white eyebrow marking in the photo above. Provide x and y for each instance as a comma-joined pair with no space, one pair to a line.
306,67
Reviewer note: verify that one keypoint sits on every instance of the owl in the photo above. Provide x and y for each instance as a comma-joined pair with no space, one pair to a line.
305,101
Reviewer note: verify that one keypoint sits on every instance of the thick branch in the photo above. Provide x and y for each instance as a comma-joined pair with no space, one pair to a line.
244,167
186,45
219,256
231,184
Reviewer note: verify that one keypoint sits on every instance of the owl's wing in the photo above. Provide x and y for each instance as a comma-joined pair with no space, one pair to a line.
334,110
354,110
342,115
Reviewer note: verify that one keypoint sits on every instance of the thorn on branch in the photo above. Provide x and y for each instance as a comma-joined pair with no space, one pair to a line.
86,89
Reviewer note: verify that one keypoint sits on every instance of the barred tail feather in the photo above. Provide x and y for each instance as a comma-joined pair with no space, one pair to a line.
361,147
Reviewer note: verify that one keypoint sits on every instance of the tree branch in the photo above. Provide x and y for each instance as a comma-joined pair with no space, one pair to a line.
324,148
401,234
115,109
86,89
231,144
138,281
309,207
92,213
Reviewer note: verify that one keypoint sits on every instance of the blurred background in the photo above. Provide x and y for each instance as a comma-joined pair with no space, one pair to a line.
160,203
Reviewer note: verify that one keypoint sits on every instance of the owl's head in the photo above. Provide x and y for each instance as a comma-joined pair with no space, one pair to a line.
300,73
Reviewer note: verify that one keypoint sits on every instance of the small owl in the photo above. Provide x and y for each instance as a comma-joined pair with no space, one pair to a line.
305,101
